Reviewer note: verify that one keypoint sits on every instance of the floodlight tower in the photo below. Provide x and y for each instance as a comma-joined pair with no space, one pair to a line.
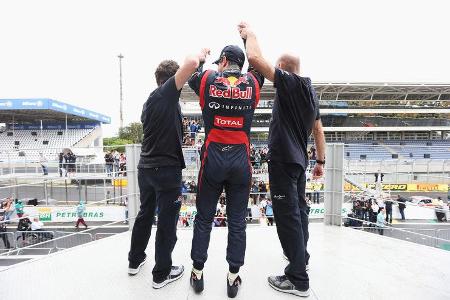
120,56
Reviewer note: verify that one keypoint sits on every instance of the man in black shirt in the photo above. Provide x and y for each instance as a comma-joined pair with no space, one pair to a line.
294,116
159,170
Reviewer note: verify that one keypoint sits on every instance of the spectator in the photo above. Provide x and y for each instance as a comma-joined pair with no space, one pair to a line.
194,127
380,175
199,146
71,163
388,206
19,208
381,204
184,188
249,208
312,153
262,190
254,191
401,206
3,234
61,164
269,213
80,212
109,162
380,220
375,210
66,162
440,211
36,225
192,187
23,225
44,163
123,164
9,209
116,162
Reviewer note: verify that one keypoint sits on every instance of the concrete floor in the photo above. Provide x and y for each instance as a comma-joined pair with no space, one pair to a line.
345,264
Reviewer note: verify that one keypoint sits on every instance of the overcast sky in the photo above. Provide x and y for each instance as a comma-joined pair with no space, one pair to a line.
67,50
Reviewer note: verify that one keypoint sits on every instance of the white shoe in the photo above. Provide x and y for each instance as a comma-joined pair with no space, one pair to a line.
133,270
175,273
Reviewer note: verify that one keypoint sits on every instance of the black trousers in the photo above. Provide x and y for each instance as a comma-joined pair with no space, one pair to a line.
159,187
402,212
389,215
287,186
223,166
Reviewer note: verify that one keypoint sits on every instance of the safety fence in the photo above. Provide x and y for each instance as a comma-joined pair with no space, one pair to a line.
439,238
45,242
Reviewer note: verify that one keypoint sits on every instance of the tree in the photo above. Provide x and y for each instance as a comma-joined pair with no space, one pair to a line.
133,132
115,143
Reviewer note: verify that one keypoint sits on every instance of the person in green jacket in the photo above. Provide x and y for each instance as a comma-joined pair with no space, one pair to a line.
19,208
380,220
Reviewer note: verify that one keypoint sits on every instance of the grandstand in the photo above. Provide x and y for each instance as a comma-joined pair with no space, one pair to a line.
33,126
376,121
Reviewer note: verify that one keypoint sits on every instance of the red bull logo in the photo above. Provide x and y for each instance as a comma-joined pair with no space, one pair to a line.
229,122
232,90
231,93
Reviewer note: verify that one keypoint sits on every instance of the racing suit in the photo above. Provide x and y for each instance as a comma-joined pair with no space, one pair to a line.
228,100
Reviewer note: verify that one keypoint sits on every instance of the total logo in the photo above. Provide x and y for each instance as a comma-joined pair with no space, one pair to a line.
215,105
229,122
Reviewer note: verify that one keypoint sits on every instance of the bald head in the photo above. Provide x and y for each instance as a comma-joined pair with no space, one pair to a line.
289,63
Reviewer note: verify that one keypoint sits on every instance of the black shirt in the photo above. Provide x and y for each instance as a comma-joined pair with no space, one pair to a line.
293,115
163,128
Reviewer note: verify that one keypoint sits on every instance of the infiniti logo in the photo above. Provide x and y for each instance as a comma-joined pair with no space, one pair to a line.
214,105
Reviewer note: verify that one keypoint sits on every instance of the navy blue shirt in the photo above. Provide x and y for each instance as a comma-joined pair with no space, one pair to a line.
163,128
294,112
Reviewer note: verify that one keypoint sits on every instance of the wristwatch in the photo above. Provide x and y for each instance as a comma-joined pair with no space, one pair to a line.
321,162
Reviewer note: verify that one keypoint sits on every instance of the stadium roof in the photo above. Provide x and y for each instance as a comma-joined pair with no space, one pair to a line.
35,110
360,91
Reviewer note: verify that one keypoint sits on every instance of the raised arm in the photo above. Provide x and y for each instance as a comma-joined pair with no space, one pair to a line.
319,140
190,65
254,54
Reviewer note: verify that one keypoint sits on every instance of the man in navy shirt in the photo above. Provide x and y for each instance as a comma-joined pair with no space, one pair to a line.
228,99
159,170
295,115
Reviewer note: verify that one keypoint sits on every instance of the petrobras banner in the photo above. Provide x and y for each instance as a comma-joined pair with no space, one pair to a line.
69,213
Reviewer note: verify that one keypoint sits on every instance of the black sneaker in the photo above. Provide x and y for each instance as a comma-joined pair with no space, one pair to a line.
134,268
282,284
197,284
175,273
233,289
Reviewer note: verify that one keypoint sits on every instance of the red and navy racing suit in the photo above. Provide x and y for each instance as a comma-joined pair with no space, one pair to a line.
228,101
